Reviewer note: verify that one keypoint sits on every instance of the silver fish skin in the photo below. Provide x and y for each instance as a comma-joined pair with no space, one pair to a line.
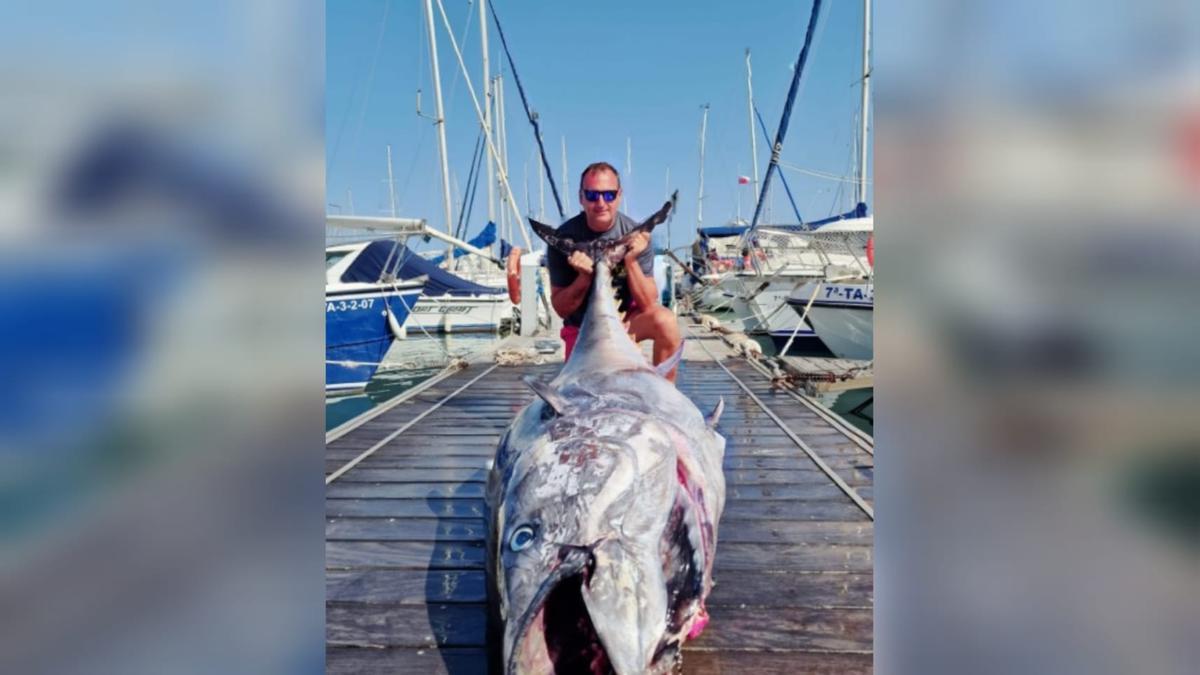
603,504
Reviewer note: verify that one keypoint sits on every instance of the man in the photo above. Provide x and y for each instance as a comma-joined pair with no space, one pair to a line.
571,277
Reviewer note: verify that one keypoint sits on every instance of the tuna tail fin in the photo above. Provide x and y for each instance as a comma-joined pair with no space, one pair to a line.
611,250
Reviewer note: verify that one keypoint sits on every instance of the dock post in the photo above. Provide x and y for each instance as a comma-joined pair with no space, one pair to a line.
530,265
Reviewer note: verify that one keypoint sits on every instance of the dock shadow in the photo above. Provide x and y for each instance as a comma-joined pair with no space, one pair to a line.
455,583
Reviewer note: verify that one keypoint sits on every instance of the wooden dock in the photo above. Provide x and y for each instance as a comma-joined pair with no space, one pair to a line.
405,529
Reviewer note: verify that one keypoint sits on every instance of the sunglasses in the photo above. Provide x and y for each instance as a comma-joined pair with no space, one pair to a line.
594,195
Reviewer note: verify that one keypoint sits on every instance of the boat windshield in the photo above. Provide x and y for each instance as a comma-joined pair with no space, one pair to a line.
332,257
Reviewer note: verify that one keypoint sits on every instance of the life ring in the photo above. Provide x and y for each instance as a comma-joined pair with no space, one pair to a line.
513,268
871,250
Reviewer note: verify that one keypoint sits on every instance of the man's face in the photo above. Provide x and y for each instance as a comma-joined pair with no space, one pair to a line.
600,213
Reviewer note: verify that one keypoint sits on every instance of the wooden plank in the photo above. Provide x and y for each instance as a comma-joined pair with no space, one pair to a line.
730,662
404,490
788,589
405,508
416,447
473,661
733,556
360,474
802,629
795,532
807,476
362,661
405,587
404,554
405,529
438,461
826,491
405,625
837,509
799,462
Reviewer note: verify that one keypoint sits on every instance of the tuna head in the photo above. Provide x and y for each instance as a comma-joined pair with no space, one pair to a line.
579,538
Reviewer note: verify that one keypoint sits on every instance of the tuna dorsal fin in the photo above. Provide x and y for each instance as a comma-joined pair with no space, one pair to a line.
715,415
673,360
547,393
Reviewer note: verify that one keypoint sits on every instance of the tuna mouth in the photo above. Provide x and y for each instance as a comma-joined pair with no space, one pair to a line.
572,644
557,635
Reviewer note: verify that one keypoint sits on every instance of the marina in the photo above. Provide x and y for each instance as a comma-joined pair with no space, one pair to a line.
405,527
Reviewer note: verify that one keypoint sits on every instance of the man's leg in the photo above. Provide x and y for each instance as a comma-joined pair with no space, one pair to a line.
658,324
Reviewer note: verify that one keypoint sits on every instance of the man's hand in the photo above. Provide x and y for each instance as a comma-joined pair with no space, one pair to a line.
638,243
581,263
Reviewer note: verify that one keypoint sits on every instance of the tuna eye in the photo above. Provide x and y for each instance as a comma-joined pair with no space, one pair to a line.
521,538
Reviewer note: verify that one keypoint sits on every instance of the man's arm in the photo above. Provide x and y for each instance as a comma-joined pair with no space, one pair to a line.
567,299
642,288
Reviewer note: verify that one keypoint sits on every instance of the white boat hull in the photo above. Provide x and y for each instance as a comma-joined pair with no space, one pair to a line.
844,318
467,314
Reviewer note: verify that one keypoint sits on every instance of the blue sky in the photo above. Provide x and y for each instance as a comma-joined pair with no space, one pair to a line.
596,75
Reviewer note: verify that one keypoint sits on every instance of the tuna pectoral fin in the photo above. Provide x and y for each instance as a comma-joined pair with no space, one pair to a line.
547,393
673,360
715,415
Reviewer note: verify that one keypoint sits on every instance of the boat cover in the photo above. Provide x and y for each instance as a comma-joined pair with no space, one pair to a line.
386,257
485,238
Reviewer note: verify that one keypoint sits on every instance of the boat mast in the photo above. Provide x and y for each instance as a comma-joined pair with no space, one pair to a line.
566,178
865,104
628,168
391,183
541,191
501,153
667,192
487,110
440,122
700,192
753,139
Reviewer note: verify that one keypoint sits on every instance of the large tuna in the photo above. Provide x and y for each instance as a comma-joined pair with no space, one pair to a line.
603,505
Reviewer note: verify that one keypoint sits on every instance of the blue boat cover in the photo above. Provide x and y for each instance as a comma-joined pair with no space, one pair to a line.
859,211
719,231
485,238
384,257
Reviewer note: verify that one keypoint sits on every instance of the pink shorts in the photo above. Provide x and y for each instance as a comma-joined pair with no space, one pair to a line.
570,334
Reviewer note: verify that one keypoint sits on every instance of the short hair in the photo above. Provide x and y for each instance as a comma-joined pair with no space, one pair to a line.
599,166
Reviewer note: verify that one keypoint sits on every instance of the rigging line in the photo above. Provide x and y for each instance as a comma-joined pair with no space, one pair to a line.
390,437
462,39
337,143
819,174
472,179
787,110
353,423
370,88
855,435
787,188
837,480
533,118
473,186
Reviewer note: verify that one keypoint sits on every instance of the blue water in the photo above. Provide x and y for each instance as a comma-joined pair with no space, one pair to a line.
408,363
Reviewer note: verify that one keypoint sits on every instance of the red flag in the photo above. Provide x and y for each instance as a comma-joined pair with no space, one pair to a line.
743,180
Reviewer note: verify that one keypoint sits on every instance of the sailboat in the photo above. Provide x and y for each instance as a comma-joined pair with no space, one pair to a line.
841,311
366,306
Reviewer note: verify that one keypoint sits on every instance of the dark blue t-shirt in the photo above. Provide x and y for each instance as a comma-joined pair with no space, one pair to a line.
562,274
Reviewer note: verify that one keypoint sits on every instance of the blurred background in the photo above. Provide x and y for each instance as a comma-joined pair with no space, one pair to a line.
1038,252
161,233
